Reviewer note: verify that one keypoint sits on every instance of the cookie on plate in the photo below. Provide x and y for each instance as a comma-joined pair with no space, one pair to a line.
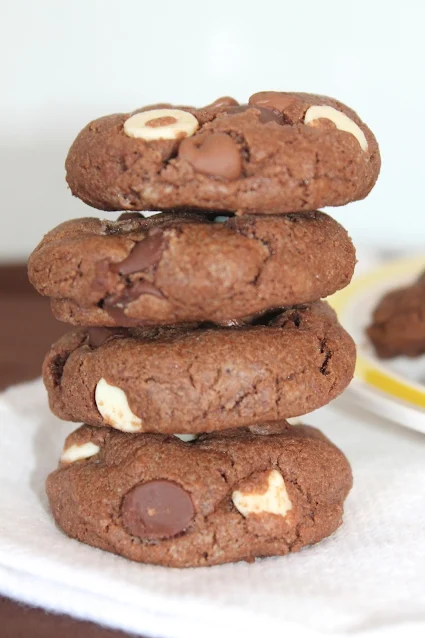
398,322
173,268
280,153
197,378
266,490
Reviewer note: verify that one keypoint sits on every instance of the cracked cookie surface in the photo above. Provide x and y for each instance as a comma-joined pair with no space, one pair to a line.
199,378
280,153
173,268
398,322
261,491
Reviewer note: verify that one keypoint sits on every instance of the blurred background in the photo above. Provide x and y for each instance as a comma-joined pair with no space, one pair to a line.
63,64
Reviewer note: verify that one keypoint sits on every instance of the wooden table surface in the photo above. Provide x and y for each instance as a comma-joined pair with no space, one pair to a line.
27,328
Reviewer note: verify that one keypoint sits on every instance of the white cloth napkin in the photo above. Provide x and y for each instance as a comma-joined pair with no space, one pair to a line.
368,579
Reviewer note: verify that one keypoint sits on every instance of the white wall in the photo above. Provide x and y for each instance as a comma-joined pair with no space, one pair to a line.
64,63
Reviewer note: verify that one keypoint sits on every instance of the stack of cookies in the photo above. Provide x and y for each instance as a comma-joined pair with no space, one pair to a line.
200,330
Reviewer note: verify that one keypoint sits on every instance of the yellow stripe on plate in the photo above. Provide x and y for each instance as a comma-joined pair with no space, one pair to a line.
389,384
374,376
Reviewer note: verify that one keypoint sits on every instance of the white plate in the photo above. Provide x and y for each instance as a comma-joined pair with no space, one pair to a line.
394,388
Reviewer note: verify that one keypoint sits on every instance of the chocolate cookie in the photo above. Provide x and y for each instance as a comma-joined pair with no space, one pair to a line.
199,379
398,326
261,491
174,268
280,153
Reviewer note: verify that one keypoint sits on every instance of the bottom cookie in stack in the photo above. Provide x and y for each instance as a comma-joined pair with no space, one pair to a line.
264,490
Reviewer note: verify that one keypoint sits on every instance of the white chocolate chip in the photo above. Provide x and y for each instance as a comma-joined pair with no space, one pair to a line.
295,420
77,452
113,406
161,124
274,501
186,437
341,121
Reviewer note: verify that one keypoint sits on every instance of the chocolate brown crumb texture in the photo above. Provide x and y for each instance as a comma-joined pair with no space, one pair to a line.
261,491
398,323
182,267
281,152
198,378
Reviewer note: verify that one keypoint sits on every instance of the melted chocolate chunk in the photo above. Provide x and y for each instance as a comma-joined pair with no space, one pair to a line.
157,510
145,253
217,155
272,100
115,304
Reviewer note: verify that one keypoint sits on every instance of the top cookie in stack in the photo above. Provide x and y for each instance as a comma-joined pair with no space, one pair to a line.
280,153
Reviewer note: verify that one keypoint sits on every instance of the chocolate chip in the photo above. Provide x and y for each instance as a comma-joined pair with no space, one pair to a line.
144,254
217,155
118,315
125,216
98,336
266,114
115,304
157,509
222,101
272,100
